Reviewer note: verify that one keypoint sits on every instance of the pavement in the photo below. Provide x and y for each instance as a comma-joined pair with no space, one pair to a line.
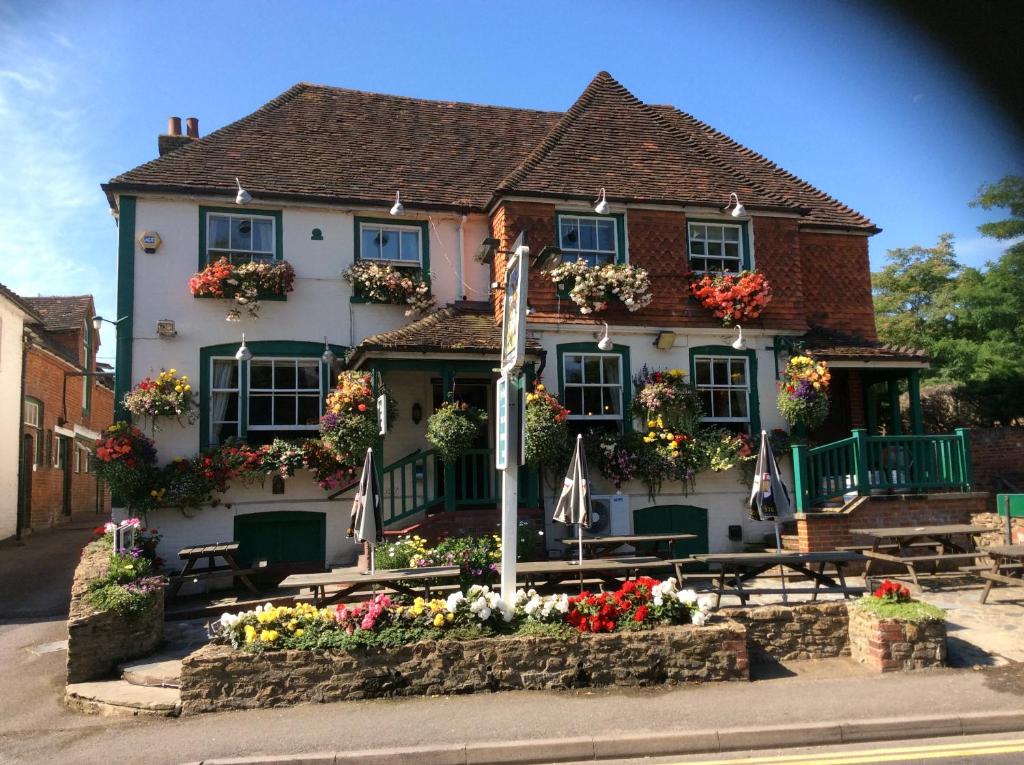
791,704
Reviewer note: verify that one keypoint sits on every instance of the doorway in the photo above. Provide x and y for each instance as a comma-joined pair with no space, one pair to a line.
28,458
64,462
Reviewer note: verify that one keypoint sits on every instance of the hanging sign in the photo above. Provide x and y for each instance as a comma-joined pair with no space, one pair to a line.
382,413
124,538
513,323
502,440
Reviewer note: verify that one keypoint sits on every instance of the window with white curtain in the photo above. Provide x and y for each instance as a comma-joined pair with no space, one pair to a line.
224,400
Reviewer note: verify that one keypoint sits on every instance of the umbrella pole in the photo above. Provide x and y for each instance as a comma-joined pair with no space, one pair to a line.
579,532
372,564
782,570
1009,520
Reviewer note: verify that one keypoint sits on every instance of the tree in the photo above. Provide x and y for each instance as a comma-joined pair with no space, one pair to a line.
970,320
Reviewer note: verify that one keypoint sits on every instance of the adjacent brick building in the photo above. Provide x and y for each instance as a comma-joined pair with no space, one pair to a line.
68,401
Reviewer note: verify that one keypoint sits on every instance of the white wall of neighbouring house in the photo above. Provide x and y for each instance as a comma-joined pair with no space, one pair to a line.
11,332
724,495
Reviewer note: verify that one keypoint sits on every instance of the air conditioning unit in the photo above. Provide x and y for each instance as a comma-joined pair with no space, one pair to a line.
610,515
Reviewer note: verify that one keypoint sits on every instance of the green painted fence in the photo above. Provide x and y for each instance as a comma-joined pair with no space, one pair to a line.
864,463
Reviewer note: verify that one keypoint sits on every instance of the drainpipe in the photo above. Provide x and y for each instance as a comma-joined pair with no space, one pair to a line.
19,516
460,281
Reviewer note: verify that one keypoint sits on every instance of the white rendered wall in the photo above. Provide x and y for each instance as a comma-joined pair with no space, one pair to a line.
11,332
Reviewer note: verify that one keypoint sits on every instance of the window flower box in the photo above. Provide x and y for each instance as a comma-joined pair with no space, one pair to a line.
733,298
591,288
383,283
246,285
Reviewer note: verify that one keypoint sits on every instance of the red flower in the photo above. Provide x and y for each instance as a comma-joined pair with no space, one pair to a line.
640,615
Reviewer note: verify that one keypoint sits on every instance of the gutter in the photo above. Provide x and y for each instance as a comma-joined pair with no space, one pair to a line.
22,467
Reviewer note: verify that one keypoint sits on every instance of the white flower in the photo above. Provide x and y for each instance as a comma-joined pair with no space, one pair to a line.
228,620
704,603
658,600
687,597
698,617
453,601
484,614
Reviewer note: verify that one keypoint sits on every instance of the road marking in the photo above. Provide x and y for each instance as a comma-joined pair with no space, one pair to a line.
899,754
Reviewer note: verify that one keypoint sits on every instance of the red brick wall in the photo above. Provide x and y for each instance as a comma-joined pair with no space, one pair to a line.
997,452
838,279
44,380
657,242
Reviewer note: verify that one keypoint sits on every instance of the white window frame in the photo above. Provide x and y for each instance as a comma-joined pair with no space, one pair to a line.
263,256
571,254
274,392
723,225
34,405
214,440
728,386
399,229
620,417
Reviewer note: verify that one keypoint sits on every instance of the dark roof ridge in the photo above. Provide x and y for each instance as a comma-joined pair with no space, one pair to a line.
773,166
561,127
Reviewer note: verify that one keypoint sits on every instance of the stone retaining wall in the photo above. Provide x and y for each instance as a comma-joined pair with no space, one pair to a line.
217,677
804,631
890,646
100,640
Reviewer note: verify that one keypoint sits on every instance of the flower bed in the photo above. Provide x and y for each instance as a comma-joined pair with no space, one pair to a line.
890,631
592,287
243,284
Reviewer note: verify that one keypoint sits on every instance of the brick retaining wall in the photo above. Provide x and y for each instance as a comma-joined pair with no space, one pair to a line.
890,646
804,631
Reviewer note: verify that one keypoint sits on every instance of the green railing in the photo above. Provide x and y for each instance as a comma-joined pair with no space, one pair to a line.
421,481
864,463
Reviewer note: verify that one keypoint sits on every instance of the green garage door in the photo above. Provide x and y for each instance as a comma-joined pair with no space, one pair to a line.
287,540
665,519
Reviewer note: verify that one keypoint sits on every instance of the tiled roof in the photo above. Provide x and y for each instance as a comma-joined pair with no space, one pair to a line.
20,302
832,345
315,142
62,313
464,327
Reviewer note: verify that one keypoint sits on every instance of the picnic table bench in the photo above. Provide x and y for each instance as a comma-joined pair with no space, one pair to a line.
606,544
227,551
736,569
902,539
1007,568
350,580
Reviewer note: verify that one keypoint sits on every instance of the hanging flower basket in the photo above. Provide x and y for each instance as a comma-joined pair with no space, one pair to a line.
453,428
733,298
167,396
381,283
594,286
245,284
349,424
548,445
803,392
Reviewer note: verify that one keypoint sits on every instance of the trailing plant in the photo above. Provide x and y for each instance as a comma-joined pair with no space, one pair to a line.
548,443
128,586
733,297
126,461
453,428
349,423
666,394
167,396
243,284
803,391
593,286
382,283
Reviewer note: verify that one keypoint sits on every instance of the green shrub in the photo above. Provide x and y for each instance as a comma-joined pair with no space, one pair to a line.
910,611
453,428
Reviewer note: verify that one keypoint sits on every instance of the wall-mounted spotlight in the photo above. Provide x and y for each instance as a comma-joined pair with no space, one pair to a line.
664,340
549,257
601,207
243,353
605,343
328,356
243,196
739,343
739,210
485,254
397,208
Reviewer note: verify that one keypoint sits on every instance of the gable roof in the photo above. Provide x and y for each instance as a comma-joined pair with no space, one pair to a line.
62,313
463,327
319,143
21,303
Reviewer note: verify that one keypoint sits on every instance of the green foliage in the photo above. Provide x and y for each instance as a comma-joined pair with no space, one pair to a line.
559,631
548,443
453,428
912,611
971,321
127,587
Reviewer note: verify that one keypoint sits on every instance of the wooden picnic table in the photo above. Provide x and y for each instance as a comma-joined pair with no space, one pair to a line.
1007,567
351,580
610,570
904,539
227,551
736,569
605,545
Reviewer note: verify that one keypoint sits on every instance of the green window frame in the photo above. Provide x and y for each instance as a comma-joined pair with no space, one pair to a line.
239,212
753,399
590,349
422,267
743,243
37,447
261,349
619,219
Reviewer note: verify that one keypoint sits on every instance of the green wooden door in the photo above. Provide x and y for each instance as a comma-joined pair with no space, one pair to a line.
287,540
665,519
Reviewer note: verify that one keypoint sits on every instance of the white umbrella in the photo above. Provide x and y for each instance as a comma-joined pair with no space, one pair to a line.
366,524
769,500
574,502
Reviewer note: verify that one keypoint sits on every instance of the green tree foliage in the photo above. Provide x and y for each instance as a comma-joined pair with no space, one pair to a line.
970,320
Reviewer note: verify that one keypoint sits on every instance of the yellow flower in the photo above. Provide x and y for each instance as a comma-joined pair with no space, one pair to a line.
268,636
250,633
439,620
299,632
172,371
651,423
449,616
188,387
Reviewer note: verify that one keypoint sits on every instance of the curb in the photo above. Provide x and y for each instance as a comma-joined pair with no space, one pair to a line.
657,744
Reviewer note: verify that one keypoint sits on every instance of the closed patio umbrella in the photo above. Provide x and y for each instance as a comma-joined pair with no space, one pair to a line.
366,524
574,502
769,500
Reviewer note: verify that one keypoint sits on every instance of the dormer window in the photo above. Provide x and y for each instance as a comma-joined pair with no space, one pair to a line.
597,239
718,248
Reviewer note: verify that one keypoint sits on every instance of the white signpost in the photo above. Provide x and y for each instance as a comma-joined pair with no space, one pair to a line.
382,413
507,448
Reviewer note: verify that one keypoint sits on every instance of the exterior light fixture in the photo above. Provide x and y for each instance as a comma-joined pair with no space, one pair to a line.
605,343
397,208
739,343
417,412
485,254
739,210
243,196
243,353
664,340
549,257
328,357
98,322
601,207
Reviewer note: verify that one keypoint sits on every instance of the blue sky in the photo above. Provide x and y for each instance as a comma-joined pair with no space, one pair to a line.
848,99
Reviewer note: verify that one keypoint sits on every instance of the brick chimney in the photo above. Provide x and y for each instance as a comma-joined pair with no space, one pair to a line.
173,139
